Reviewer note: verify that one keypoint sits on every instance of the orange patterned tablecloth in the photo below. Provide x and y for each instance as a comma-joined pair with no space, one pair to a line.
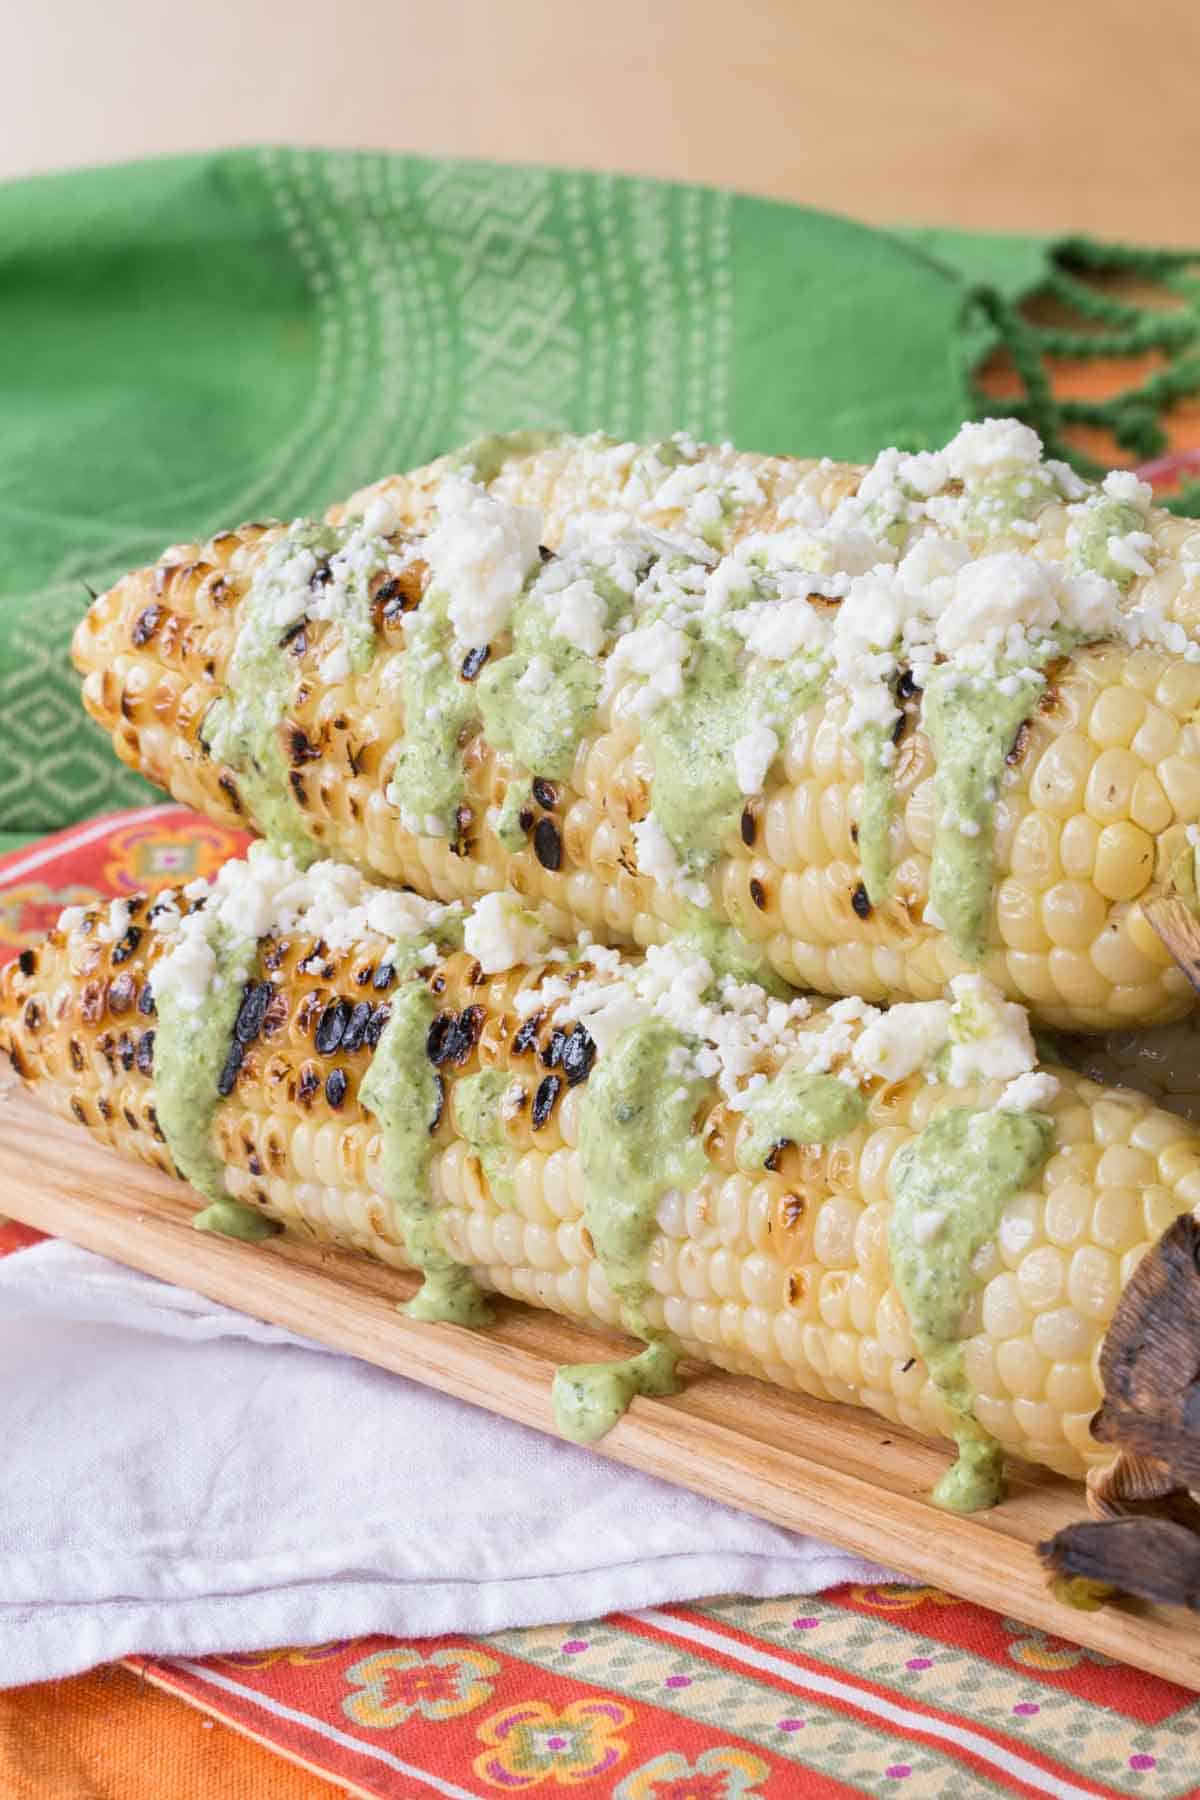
863,1690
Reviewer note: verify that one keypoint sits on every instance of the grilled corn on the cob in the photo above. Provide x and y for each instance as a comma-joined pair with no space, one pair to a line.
636,728
1162,1063
789,1192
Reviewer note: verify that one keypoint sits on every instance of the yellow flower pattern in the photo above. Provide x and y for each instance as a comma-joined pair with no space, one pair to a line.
396,1684
722,1773
532,1744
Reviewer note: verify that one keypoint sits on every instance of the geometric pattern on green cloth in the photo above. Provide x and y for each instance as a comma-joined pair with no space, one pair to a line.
188,343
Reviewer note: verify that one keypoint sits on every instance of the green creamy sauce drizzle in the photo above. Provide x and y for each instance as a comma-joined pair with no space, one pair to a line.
992,507
694,793
485,457
971,730
242,727
877,808
794,1107
543,730
728,953
508,826
964,1167
635,1142
429,779
190,1049
400,1089
1104,518
477,1109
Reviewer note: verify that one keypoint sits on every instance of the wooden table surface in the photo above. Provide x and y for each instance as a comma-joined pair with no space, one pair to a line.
1021,116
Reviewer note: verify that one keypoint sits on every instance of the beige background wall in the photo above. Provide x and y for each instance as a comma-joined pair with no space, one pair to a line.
1031,114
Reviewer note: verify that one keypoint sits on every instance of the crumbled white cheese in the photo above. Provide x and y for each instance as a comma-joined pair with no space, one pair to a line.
991,447
895,1044
115,922
581,617
267,895
1125,486
1029,1092
656,858
538,677
190,969
659,652
422,825
501,933
336,666
71,918
753,754
1070,485
1090,604
1130,552
480,552
993,593
990,1039
927,1224
778,630
733,1030
871,623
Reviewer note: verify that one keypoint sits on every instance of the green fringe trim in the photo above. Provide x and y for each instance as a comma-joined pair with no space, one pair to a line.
1109,328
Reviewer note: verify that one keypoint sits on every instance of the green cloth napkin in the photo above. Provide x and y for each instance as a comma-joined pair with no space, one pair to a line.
195,342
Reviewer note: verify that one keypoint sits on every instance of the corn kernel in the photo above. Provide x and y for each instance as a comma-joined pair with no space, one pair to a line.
1109,789
1092,1283
1034,853
834,1231
1004,1312
1019,915
1061,1334
1156,738
1072,1387
1061,774
1124,861
1180,777
1020,1227
833,1299
1038,1422
1148,806
1116,716
1021,1368
1072,913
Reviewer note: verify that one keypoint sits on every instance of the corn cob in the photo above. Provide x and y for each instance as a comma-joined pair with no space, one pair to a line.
1162,1063
783,1269
1092,802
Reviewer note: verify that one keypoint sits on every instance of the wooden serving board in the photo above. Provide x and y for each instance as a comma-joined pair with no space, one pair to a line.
830,1471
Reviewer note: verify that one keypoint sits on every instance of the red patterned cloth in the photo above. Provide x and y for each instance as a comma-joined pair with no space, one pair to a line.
884,1691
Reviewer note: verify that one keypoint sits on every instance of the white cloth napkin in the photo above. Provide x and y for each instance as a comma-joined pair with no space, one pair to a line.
179,1479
